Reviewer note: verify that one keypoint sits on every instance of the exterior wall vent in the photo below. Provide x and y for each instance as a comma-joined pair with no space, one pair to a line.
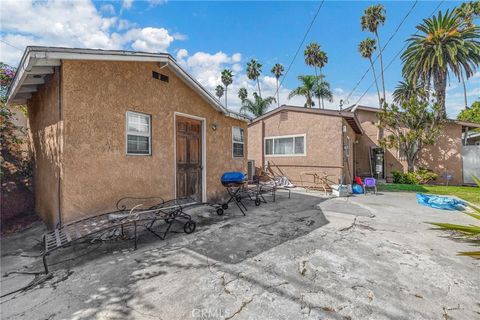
284,116
159,76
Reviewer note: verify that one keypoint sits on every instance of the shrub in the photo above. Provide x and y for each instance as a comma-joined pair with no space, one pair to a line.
425,176
421,176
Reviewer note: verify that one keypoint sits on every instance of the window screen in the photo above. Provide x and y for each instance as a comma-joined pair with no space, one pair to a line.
285,146
238,142
138,133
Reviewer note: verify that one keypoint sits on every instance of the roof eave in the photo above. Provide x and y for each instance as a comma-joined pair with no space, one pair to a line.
35,58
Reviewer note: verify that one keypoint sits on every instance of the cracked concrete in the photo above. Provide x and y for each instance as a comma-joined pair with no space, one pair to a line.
310,257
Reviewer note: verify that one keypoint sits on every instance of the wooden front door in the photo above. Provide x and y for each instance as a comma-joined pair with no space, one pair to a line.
189,158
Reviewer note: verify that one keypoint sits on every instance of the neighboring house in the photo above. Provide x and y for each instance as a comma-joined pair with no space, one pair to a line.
444,157
297,141
108,124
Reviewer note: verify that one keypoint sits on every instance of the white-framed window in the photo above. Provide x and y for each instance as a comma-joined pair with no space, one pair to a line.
138,137
238,142
295,145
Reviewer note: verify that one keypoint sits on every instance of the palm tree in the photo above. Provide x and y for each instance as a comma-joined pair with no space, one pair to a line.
254,69
407,90
258,106
277,71
242,94
373,17
316,58
366,48
445,43
323,90
227,79
307,89
219,91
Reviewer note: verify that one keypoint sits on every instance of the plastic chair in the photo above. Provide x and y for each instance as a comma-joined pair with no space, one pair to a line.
370,183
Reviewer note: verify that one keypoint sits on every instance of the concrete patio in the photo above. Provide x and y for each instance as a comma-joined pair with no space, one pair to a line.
366,257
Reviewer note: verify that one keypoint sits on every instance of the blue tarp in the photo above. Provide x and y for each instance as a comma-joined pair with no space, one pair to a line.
439,202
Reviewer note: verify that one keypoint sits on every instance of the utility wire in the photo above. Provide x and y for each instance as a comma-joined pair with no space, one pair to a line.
11,45
300,45
381,50
396,55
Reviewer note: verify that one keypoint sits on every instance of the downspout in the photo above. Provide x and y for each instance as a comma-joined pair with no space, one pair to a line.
60,144
263,146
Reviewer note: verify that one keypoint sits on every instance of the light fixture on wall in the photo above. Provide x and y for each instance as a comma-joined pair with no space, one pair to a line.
214,126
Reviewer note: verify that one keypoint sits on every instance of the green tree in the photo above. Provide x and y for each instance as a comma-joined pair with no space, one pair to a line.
316,58
366,48
257,106
219,91
309,89
373,17
242,94
407,90
469,11
227,79
254,70
323,90
410,128
15,164
445,43
471,114
277,72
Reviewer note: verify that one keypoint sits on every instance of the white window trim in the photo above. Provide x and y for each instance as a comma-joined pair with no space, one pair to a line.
149,135
233,154
286,155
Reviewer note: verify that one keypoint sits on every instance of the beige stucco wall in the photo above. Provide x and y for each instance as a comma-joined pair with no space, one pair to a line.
324,151
443,157
46,143
97,172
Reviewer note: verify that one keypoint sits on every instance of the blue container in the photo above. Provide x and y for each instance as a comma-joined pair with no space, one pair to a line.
357,189
233,177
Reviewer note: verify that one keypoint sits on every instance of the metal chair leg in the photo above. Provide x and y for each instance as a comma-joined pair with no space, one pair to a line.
44,258
135,231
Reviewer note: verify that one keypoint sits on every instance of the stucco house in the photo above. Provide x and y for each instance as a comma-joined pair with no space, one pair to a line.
106,124
298,141
343,144
448,157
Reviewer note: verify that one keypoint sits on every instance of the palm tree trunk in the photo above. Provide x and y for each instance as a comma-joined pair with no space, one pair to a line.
318,87
226,96
376,82
464,91
278,95
321,87
381,65
259,91
440,85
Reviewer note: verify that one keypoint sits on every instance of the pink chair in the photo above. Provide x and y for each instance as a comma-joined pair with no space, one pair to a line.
370,183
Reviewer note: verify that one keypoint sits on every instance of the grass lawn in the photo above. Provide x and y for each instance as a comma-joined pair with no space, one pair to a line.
471,194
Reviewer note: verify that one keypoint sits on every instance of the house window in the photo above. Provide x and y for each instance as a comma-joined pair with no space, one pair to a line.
138,133
285,145
238,142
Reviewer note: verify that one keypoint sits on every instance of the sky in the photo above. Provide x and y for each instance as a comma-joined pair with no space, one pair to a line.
207,37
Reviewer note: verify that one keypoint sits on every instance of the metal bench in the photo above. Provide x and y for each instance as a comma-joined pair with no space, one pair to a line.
168,211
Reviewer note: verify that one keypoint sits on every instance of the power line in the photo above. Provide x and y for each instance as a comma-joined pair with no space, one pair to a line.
301,44
382,50
396,55
11,45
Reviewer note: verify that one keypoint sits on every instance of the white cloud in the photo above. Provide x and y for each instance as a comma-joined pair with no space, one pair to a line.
73,24
108,9
206,67
150,39
127,4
